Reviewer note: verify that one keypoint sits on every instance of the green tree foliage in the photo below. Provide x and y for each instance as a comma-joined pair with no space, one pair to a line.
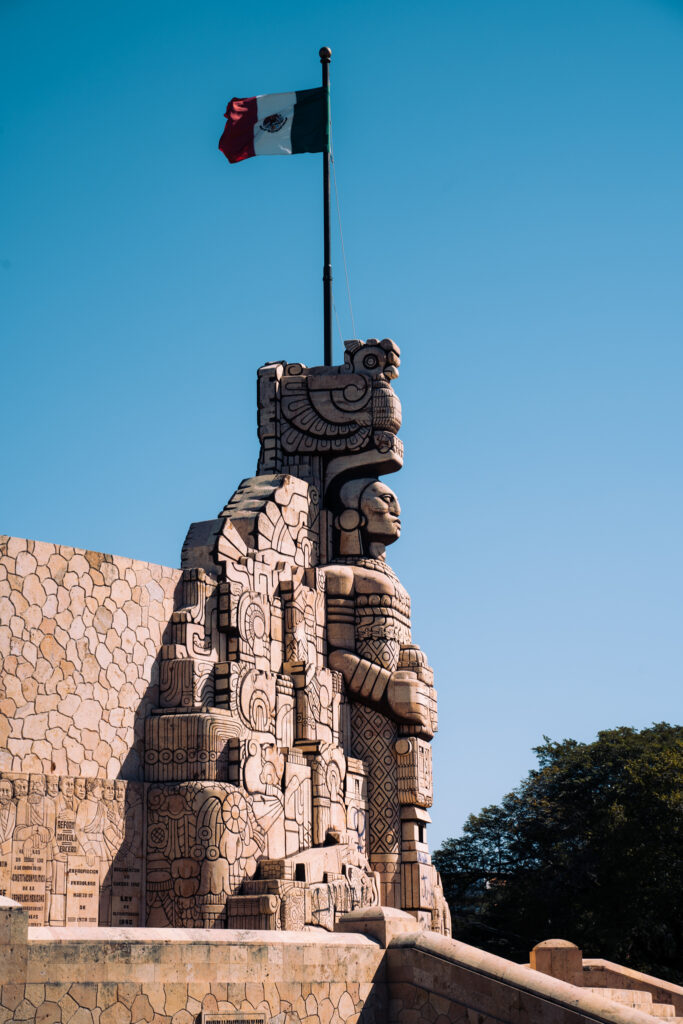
588,848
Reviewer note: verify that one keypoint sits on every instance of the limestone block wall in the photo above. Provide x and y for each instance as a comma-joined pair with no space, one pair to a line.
170,976
80,633
381,974
435,980
605,974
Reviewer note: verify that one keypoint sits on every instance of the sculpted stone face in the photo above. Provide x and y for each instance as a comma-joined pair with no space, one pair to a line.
369,517
66,785
79,788
5,792
21,787
93,788
380,508
37,785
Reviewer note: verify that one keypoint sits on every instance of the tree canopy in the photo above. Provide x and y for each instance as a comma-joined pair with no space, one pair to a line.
588,848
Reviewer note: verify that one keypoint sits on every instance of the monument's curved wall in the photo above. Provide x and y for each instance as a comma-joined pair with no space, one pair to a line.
80,634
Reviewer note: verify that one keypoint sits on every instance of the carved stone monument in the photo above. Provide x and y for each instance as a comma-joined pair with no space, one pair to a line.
285,773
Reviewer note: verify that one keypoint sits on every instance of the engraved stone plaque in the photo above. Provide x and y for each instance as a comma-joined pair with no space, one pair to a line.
82,892
125,896
65,832
250,1017
28,883
5,868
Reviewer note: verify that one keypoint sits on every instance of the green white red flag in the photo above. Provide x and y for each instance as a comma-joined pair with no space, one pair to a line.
277,124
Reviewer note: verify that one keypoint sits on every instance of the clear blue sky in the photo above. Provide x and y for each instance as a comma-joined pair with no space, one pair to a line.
511,181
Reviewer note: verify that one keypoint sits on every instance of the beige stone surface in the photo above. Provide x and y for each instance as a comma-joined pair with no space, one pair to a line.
380,923
605,974
124,976
431,977
605,980
130,975
558,958
66,656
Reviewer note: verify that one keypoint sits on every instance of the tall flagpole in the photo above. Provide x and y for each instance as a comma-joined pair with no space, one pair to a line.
325,56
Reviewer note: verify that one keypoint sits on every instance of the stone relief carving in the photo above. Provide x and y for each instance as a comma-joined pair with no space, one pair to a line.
287,765
71,848
292,682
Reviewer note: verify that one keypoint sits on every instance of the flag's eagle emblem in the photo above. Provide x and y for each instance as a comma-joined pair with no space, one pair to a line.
273,123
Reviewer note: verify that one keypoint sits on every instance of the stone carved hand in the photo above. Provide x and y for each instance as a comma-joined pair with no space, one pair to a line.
407,698
403,690
38,837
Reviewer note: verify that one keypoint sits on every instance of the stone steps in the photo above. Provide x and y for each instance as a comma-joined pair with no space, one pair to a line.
636,999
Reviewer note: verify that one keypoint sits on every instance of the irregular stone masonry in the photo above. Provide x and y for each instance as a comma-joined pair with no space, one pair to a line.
274,1002
115,976
80,634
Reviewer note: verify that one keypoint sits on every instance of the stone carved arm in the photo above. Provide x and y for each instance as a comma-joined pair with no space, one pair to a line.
401,690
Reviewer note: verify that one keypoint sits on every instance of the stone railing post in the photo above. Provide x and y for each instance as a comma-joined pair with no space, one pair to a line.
558,958
379,923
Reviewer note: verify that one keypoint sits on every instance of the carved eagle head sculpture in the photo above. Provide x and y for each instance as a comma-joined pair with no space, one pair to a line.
345,418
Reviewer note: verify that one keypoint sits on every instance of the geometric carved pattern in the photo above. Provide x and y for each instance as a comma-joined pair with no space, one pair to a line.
179,748
374,738
414,758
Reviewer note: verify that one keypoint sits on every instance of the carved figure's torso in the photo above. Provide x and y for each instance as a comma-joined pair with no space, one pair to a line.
381,611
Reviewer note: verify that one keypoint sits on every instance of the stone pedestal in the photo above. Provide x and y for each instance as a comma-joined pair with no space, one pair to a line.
558,958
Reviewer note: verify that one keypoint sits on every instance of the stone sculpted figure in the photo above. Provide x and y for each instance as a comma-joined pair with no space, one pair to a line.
390,687
369,609
292,699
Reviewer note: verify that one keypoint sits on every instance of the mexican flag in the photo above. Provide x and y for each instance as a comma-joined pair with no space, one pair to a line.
279,124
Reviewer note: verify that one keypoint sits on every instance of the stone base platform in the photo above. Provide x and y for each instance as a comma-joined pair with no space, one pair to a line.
390,974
